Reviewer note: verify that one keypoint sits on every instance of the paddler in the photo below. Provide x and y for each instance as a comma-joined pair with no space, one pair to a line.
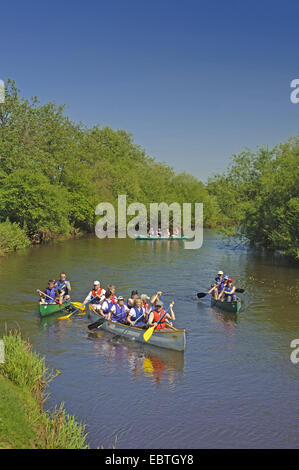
63,287
107,304
136,315
158,313
119,311
111,288
50,292
217,286
130,302
228,291
98,294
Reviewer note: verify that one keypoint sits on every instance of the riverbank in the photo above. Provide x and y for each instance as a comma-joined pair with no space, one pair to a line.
24,423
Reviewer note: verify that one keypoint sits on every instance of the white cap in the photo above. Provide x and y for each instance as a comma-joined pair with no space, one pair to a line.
220,272
96,283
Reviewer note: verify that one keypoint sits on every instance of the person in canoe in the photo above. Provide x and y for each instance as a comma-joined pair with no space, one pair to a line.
137,314
111,288
228,291
155,298
97,293
130,302
158,313
106,306
63,287
176,232
119,311
51,294
217,286
151,232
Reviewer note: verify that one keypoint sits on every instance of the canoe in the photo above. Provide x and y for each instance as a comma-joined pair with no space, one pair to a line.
168,339
232,307
49,309
147,237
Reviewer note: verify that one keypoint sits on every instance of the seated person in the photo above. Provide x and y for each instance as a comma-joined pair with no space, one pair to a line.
63,287
136,315
97,294
228,292
130,302
111,288
51,294
119,311
158,313
106,305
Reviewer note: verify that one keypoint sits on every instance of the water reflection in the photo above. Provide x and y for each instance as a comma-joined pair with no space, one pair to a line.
163,367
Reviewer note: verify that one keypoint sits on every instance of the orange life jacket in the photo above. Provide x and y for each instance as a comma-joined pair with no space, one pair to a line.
157,317
96,293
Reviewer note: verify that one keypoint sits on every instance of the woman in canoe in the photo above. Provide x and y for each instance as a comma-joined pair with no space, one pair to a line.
98,294
106,305
158,313
137,314
119,311
111,288
228,292
134,294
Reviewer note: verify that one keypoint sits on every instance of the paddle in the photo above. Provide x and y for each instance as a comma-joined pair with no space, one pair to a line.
75,304
200,295
67,316
127,328
150,331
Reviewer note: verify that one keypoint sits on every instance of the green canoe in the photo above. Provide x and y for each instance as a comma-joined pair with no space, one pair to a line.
49,309
147,237
232,307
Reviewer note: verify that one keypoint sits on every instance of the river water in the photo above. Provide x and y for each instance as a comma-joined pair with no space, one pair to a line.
234,387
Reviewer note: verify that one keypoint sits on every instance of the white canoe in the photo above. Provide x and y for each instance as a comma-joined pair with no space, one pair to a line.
164,338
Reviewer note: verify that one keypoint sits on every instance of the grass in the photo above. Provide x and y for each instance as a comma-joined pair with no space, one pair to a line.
24,423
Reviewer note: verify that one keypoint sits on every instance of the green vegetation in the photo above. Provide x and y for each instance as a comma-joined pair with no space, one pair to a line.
53,173
24,424
12,237
259,195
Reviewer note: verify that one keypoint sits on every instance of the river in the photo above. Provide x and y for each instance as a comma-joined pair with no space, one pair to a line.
234,387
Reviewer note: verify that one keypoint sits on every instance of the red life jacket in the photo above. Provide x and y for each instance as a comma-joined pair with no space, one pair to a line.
157,317
96,293
114,298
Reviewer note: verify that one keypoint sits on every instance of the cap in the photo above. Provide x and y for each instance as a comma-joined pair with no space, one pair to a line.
96,283
226,277
134,292
159,304
220,272
120,297
144,297
230,279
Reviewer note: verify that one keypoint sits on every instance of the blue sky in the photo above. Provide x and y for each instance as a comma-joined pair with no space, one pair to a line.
193,81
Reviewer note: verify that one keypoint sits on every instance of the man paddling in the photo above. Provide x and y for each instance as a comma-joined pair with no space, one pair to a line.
158,313
64,288
98,293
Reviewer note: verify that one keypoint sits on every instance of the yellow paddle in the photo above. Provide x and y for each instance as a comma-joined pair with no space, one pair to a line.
150,330
78,308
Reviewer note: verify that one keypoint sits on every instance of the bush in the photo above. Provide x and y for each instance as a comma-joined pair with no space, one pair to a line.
12,237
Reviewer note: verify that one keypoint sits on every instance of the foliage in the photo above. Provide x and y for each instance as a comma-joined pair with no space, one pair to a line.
54,172
12,237
259,194
24,423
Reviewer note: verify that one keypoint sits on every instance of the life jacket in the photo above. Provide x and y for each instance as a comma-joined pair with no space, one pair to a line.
51,293
228,291
220,287
157,317
139,313
114,299
94,294
110,303
63,286
120,313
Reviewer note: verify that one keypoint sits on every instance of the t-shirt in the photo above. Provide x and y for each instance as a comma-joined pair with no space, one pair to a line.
106,306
